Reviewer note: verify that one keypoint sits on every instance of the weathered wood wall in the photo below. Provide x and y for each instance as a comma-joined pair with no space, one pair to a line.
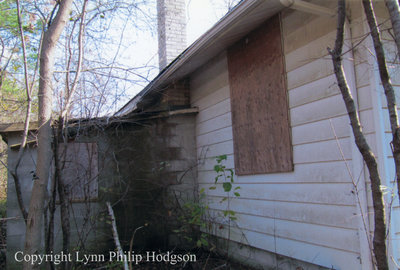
311,213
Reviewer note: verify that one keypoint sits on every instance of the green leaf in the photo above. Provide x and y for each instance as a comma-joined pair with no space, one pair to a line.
204,242
217,168
212,188
198,243
236,188
237,194
188,238
227,186
221,158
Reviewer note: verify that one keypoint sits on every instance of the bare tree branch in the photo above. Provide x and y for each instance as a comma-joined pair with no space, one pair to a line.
379,240
387,86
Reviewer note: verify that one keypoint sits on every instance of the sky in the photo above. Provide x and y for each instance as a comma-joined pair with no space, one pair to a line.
201,16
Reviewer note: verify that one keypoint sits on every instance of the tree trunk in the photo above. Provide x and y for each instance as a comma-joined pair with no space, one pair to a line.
44,154
115,233
59,161
379,242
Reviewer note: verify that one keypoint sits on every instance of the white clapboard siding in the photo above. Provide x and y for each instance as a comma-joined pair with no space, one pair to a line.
314,205
322,130
319,193
214,110
324,172
299,28
313,91
362,74
310,52
318,110
213,137
302,250
219,122
209,79
339,238
214,98
364,98
338,216
317,69
322,151
216,149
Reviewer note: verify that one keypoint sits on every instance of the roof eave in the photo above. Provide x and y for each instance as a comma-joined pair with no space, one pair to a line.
233,26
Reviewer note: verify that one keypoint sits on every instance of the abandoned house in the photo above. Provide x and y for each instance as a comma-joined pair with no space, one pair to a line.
259,88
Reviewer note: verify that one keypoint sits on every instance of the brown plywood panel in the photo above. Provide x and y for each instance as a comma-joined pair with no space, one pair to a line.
260,117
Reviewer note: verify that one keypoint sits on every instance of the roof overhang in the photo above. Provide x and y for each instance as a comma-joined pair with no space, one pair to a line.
245,17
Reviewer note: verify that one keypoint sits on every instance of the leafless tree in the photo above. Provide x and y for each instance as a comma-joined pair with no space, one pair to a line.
81,83
44,151
379,240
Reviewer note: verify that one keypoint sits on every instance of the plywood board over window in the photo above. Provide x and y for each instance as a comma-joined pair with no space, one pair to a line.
260,116
79,170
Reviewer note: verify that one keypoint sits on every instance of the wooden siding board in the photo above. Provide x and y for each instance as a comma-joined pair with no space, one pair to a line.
324,172
310,72
364,98
218,122
367,124
210,78
214,111
322,151
317,193
212,99
316,254
344,239
323,215
216,149
316,90
321,130
310,51
362,74
209,163
300,28
328,257
318,110
260,117
217,136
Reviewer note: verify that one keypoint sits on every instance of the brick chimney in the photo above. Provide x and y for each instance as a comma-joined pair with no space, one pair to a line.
171,30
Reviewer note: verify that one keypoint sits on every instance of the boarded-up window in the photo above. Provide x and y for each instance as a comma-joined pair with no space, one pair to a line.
260,116
79,170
